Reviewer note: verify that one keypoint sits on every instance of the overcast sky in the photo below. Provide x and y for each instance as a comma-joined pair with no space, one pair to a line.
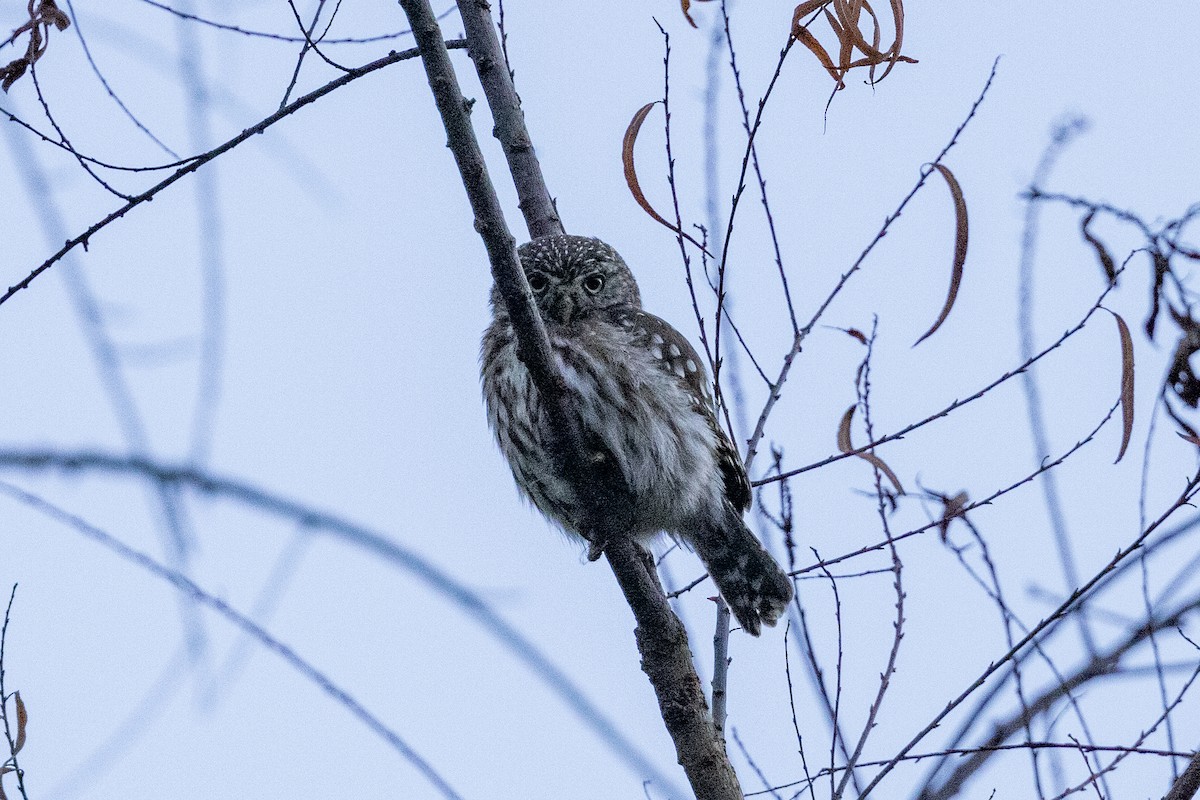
348,292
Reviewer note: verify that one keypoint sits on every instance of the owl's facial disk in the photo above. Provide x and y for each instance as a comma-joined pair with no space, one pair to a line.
566,298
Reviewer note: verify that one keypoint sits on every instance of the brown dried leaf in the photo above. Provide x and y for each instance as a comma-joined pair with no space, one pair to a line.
806,38
898,23
845,446
22,718
1126,383
3,796
1106,260
855,333
952,508
848,15
960,248
10,73
684,6
1189,437
631,134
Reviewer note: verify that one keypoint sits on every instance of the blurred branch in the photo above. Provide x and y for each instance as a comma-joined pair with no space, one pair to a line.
1102,664
1035,408
1063,610
194,163
661,638
200,597
315,520
1144,751
483,45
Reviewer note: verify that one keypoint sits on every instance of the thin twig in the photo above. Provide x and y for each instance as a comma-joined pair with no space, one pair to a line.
196,162
491,64
661,638
1051,619
802,334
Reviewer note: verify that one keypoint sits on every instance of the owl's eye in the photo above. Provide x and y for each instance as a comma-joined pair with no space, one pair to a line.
538,283
593,283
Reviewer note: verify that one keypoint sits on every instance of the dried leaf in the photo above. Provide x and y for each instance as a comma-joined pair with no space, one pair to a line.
1193,438
851,36
684,6
52,14
3,796
12,72
22,718
898,24
1126,383
845,446
856,334
806,38
960,248
952,508
631,178
1106,261
846,48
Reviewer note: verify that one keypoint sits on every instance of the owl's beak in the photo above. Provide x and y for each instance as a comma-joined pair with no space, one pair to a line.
563,308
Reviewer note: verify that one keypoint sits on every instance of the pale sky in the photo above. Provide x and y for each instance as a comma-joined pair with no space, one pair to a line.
353,293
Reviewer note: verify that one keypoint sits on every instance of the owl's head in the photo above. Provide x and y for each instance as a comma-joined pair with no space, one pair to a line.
573,277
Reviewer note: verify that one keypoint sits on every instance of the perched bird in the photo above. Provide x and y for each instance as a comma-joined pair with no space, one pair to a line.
647,417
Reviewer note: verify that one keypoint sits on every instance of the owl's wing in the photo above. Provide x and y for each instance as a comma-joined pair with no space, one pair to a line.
676,356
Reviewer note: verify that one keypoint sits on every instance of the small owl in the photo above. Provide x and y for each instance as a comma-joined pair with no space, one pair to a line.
647,415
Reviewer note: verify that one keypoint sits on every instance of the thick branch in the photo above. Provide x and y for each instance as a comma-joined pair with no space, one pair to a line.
1189,782
667,661
661,638
541,217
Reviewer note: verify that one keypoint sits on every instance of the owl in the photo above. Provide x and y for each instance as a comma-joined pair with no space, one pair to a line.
647,416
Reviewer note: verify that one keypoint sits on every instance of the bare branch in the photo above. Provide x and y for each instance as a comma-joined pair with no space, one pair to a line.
541,217
662,639
196,162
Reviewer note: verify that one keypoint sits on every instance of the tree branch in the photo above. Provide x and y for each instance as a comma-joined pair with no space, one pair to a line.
661,638
1189,782
483,45
192,164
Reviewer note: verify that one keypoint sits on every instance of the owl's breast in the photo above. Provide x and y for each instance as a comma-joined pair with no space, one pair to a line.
650,420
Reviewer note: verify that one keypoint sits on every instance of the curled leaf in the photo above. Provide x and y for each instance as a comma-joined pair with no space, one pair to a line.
960,248
1106,260
631,178
805,37
685,6
22,718
1126,383
1189,437
845,446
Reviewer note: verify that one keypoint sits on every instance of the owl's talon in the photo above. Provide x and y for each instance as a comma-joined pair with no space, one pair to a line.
596,549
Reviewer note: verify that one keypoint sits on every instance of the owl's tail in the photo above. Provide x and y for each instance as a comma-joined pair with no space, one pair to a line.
752,584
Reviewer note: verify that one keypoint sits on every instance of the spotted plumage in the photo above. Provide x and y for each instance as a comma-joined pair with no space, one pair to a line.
642,394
